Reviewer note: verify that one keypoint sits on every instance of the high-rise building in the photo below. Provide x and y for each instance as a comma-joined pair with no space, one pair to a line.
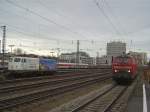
116,49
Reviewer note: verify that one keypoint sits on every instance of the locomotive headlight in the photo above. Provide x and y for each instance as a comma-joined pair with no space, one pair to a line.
116,70
129,71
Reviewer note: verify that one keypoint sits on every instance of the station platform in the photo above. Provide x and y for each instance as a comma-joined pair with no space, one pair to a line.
138,103
147,88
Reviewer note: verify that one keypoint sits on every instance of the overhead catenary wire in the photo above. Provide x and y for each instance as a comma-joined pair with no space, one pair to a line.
45,18
59,39
41,24
46,7
71,42
120,25
47,47
58,13
24,33
107,17
102,3
37,43
19,29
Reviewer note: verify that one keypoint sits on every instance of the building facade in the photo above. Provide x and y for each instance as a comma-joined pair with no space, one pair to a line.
84,58
103,60
116,48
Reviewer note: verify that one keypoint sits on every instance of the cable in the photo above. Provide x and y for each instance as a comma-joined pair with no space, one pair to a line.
18,30
102,3
59,14
114,16
107,17
23,32
27,19
47,39
44,18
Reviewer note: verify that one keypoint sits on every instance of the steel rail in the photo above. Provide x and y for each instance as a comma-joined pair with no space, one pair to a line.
35,83
94,106
50,92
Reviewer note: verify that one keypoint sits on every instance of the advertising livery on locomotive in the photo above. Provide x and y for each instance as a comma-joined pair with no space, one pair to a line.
31,64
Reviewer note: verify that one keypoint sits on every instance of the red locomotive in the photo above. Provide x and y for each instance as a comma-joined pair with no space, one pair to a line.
124,68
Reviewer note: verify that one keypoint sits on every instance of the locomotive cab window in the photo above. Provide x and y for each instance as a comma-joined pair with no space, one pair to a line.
23,60
123,60
10,59
17,60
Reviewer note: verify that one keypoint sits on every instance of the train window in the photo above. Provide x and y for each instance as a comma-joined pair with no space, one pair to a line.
22,60
123,60
10,59
17,60
25,60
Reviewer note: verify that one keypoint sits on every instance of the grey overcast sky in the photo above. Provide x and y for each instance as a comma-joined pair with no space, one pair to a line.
41,25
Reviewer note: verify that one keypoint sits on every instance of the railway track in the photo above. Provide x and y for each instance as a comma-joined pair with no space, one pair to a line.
28,74
82,69
112,98
57,75
47,83
12,84
102,103
12,96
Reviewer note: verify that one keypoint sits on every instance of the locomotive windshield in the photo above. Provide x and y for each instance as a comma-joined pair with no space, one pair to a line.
122,60
17,60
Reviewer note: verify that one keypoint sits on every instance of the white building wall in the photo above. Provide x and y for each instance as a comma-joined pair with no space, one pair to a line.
82,59
116,48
